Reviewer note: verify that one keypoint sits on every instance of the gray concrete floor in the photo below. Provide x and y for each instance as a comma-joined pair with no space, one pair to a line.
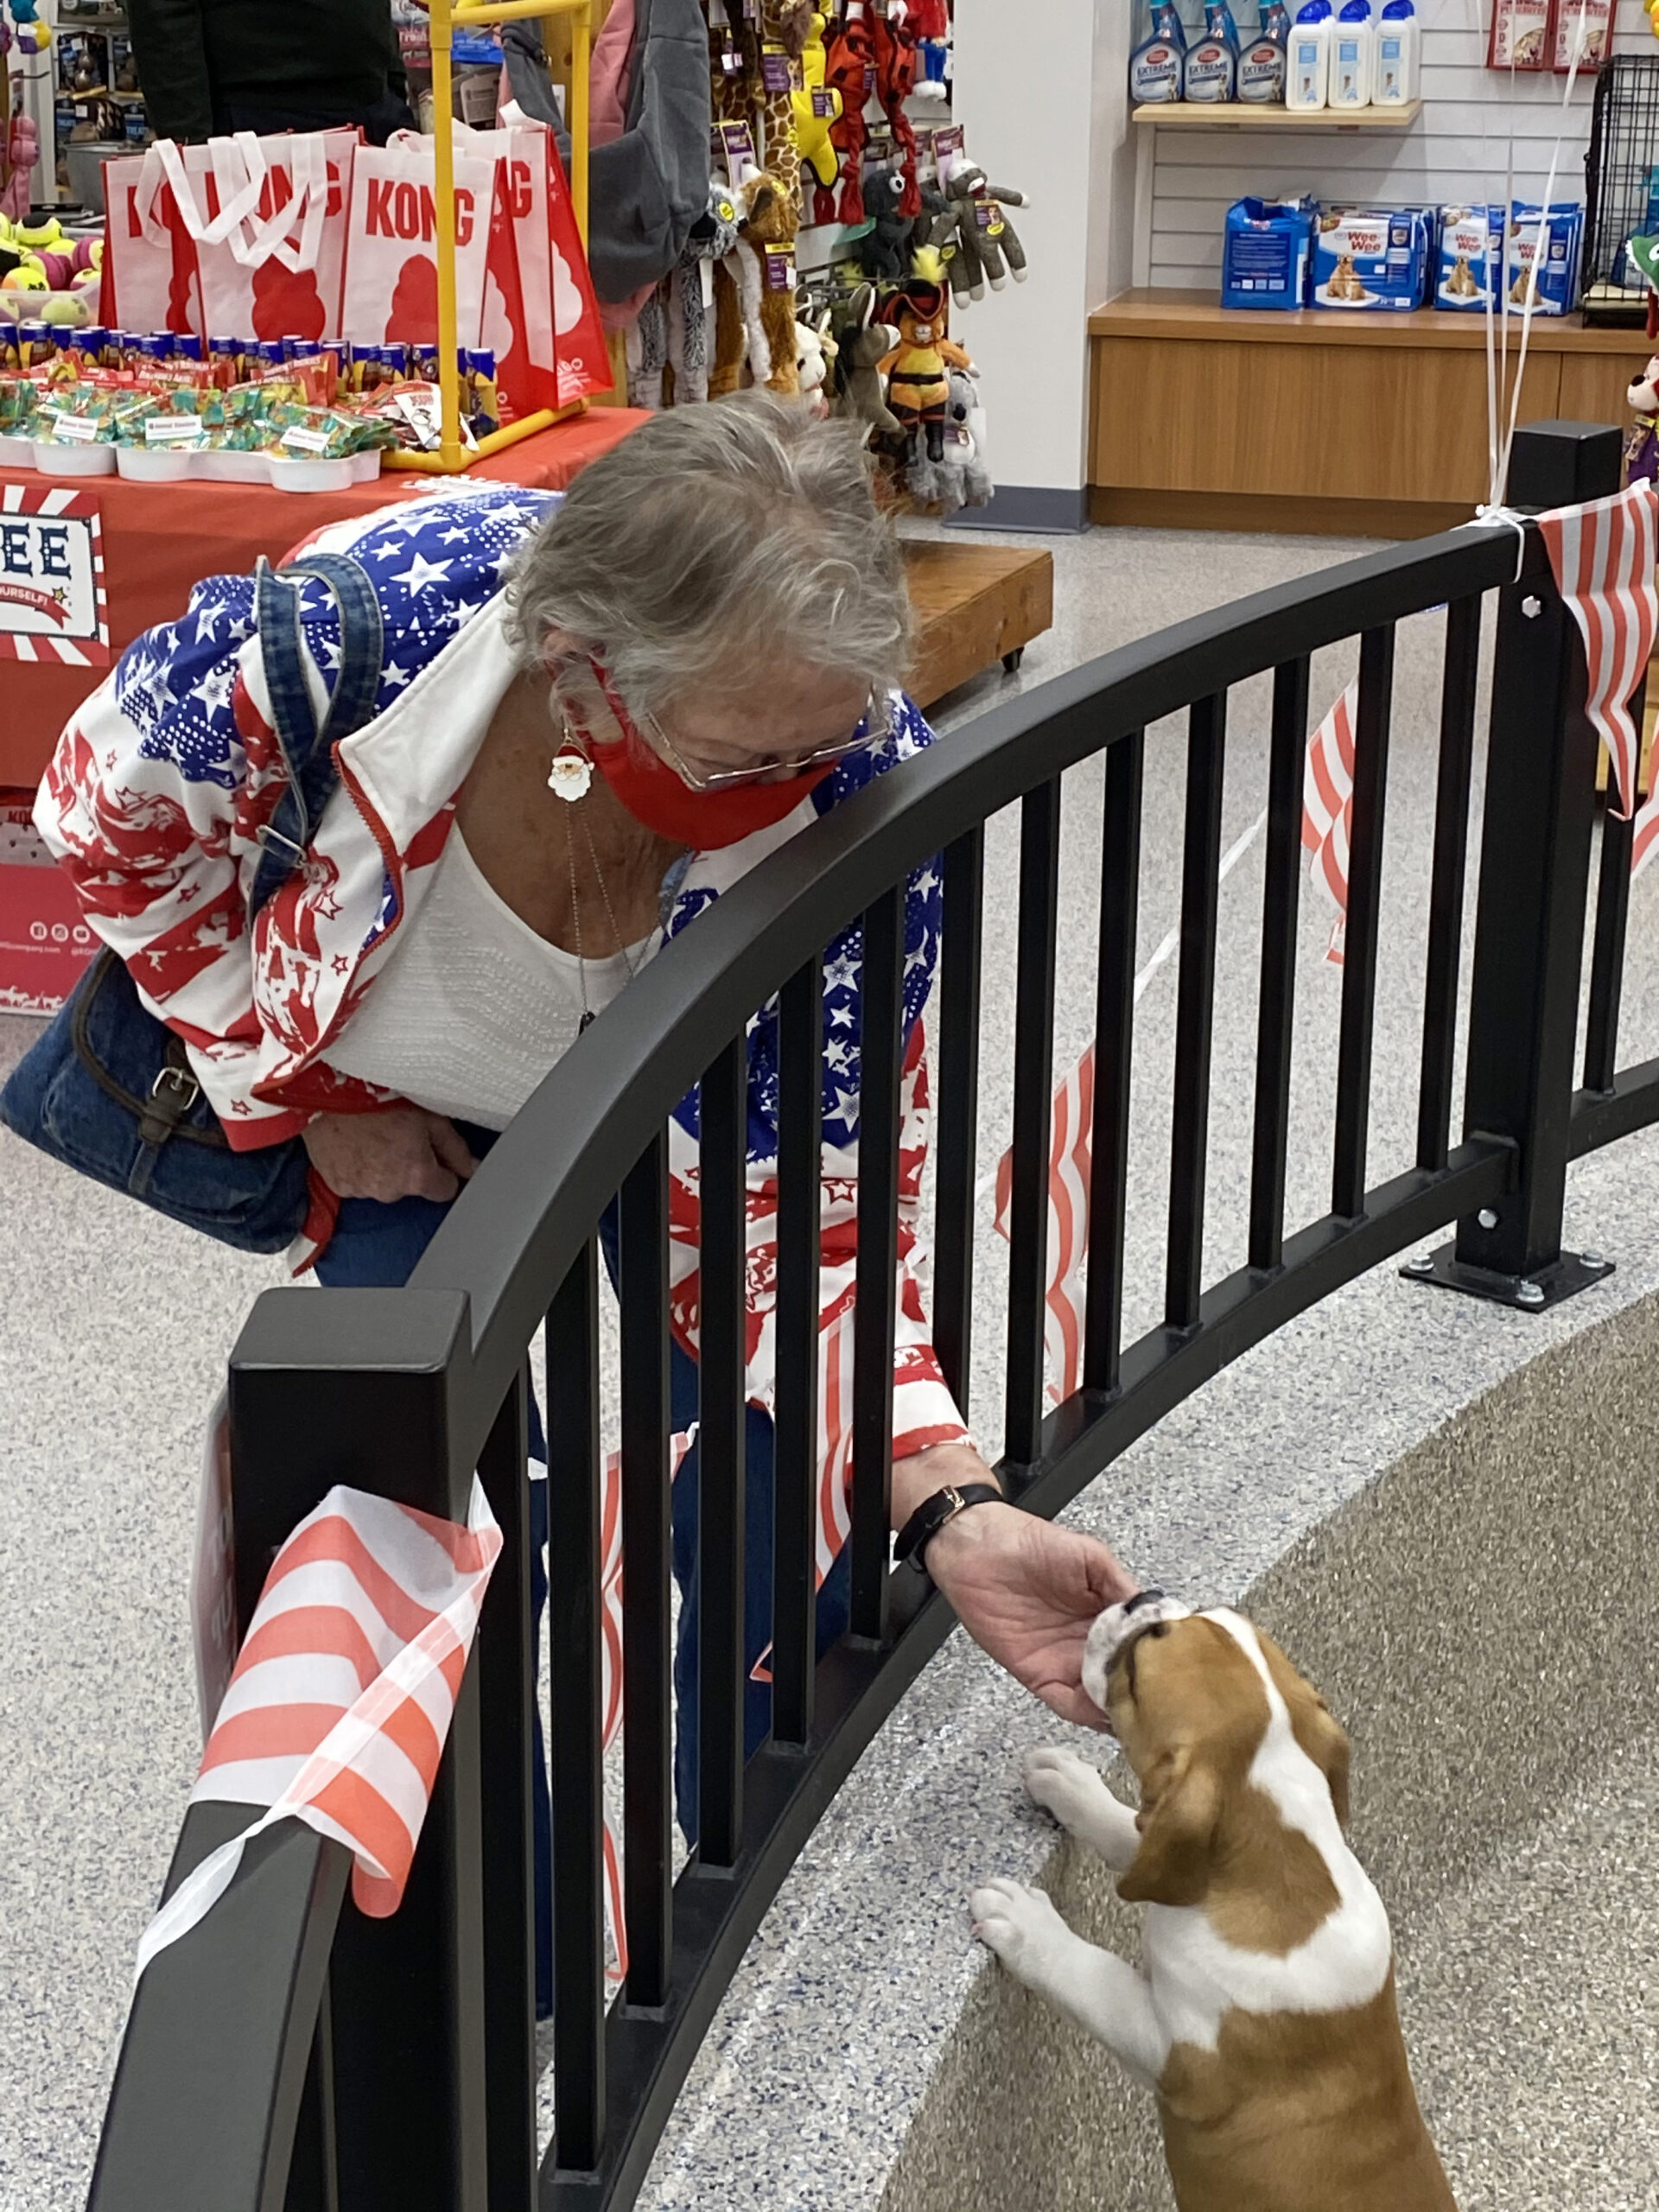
115,1327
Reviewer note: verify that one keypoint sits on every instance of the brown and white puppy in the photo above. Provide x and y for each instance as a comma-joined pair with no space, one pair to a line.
1263,2013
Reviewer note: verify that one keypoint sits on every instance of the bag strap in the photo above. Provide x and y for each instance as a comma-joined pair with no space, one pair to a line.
241,198
256,243
307,742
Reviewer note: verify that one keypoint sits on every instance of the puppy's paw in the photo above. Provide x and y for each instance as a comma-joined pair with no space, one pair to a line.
1019,1924
1067,1786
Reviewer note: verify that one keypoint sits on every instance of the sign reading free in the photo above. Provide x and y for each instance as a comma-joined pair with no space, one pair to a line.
53,603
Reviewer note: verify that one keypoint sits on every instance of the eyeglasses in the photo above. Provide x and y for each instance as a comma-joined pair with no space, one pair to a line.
875,725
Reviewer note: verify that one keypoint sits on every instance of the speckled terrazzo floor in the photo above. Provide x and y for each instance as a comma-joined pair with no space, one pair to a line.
112,1333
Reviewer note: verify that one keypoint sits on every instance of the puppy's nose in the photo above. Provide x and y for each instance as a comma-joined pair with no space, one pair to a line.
1118,1626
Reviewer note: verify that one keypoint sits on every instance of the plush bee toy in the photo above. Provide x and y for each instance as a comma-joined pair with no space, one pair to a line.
916,369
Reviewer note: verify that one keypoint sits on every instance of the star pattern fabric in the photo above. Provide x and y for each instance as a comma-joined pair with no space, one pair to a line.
843,964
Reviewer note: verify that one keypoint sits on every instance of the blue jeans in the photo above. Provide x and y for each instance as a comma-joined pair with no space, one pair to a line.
376,1245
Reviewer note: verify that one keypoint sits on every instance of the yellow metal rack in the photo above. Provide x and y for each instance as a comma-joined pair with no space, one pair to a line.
452,455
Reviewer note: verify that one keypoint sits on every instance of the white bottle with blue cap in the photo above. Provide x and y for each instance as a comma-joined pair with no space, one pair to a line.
1396,74
1352,50
1307,69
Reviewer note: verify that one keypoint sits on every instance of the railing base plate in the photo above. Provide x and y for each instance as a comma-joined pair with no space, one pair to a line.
1533,1294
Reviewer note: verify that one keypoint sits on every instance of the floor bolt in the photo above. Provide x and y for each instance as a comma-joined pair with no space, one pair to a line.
1529,1293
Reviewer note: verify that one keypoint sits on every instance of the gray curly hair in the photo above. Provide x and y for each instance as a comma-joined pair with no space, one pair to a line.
712,543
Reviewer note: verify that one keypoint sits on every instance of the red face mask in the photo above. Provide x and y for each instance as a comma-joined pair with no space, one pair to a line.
654,795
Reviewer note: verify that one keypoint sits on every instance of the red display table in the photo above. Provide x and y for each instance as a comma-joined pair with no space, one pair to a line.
160,539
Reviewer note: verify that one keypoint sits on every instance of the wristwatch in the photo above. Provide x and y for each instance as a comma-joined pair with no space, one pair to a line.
932,1513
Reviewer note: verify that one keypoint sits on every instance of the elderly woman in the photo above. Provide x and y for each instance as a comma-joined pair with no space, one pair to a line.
581,719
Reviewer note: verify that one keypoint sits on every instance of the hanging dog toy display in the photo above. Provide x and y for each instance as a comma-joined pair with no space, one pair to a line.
918,387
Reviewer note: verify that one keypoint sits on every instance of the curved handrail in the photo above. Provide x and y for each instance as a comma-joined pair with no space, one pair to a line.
594,1115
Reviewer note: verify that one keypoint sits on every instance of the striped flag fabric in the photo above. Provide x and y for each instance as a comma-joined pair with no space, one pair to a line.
343,1692
1602,556
1328,809
1071,1149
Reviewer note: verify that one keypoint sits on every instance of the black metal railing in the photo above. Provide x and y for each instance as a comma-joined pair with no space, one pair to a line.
291,2052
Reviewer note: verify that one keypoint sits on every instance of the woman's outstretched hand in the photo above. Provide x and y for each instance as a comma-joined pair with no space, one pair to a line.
1026,1591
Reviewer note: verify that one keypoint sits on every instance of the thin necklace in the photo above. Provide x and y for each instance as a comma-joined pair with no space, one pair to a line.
576,911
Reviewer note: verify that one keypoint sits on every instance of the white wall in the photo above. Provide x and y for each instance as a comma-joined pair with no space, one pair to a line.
1041,92
1457,150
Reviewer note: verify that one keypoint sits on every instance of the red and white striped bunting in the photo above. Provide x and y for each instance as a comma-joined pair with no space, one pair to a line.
1602,556
1328,809
341,1703
1071,1150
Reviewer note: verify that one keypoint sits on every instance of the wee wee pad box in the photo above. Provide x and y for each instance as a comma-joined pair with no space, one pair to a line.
1372,258
1264,253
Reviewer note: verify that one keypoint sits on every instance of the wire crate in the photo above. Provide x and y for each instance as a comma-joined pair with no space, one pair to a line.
1623,148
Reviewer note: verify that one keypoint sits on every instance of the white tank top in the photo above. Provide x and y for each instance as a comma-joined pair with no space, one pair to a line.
472,1009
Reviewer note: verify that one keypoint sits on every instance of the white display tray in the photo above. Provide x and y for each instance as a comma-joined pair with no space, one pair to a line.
163,465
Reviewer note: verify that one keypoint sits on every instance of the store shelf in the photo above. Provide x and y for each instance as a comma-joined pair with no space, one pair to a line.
1242,115
1160,312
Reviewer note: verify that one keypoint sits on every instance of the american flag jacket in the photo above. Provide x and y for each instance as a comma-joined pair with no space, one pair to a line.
159,786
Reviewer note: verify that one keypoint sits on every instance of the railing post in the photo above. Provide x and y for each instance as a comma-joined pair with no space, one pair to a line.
1534,873
352,1386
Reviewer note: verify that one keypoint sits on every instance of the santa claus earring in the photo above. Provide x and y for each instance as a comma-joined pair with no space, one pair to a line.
572,771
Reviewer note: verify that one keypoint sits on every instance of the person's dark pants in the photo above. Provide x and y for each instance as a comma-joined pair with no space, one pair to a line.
377,1246
390,112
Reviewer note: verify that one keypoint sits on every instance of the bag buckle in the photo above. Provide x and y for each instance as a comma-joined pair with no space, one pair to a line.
265,836
182,1089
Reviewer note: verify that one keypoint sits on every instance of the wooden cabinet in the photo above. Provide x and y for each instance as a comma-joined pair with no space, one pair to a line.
1206,417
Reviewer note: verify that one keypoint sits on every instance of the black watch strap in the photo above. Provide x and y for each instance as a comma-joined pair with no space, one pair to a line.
932,1513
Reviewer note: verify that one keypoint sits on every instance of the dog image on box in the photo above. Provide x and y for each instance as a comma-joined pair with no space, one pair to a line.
1263,2016
1343,283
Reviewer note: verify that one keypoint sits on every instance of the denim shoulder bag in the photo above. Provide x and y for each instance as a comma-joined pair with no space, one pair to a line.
108,1088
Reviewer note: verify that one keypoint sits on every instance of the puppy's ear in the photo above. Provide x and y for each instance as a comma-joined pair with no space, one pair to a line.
1326,1742
1180,1809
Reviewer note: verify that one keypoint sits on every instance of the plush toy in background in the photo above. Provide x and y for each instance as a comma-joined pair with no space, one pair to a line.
764,262
940,229
1642,440
862,344
983,228
23,151
815,354
962,476
883,251
33,36
894,45
850,70
930,25
673,329
817,109
918,387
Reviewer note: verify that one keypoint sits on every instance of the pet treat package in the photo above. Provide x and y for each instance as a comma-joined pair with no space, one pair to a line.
1542,255
1265,252
1372,257
1470,259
